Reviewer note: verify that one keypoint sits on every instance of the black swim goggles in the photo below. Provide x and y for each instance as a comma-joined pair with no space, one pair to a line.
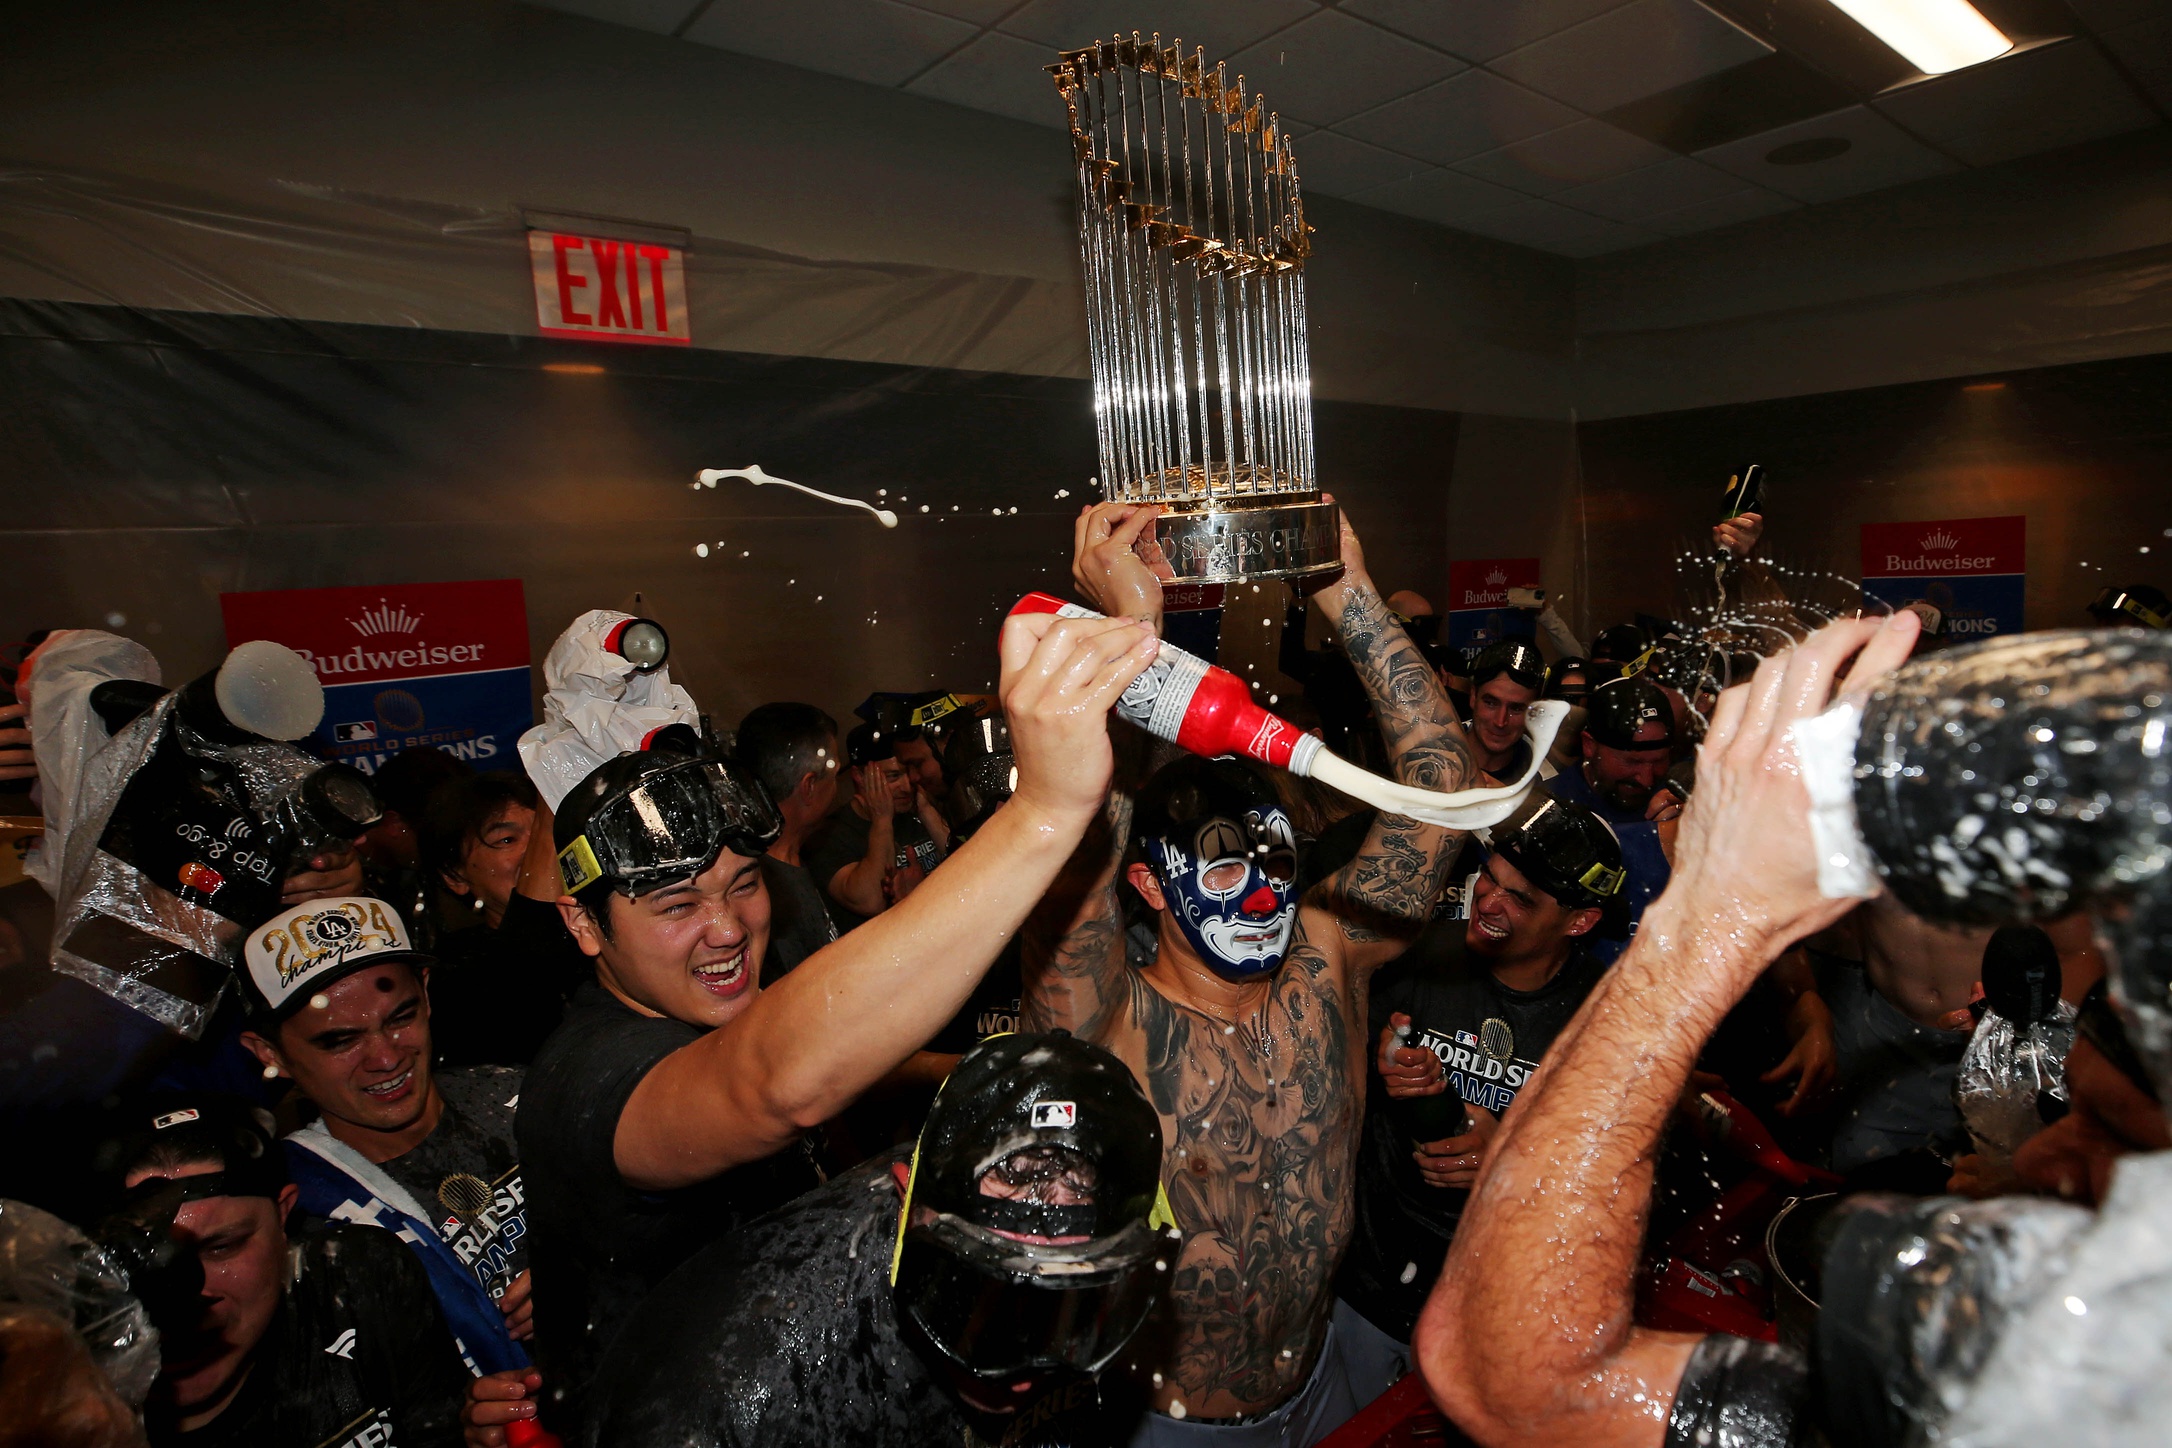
1522,663
669,826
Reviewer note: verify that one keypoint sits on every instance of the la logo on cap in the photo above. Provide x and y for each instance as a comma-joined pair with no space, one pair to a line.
310,941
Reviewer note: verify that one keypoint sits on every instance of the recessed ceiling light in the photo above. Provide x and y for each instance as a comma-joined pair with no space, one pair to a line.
1804,153
1934,36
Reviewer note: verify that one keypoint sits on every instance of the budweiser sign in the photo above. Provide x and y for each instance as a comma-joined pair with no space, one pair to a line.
1481,583
1954,547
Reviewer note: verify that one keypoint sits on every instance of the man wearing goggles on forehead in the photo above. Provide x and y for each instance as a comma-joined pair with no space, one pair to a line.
1249,1027
669,1107
1506,680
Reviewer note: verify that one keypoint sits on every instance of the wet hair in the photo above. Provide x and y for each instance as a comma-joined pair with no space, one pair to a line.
869,743
781,744
408,780
461,810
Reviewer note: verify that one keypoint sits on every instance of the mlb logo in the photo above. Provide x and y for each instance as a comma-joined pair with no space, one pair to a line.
1055,1114
449,1228
1465,1038
354,733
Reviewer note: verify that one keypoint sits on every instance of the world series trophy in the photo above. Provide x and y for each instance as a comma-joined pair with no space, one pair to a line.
1193,238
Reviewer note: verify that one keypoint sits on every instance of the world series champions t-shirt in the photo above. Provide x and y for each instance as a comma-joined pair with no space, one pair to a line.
466,1174
841,842
1490,1039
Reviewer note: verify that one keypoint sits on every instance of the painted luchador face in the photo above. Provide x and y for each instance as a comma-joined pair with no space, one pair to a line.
1233,890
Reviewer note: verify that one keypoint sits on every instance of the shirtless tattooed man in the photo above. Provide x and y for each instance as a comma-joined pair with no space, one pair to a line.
1249,1026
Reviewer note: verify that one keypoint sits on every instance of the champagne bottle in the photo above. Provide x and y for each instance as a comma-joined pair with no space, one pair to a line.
1429,1118
1184,699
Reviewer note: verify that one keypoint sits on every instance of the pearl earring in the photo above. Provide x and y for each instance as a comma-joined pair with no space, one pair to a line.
478,903
271,1073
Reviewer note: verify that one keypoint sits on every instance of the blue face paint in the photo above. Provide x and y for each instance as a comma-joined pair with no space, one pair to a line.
1232,889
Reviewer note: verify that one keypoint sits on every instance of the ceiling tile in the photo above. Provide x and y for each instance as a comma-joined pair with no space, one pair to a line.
2056,95
1586,151
999,73
1480,29
1338,166
1624,55
1878,154
1668,186
1446,197
660,16
2103,15
1744,205
978,12
1222,28
1557,229
870,40
1464,115
1330,66
2145,48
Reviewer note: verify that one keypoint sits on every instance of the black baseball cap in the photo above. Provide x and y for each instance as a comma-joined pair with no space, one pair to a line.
186,1126
2138,604
868,743
1522,663
1565,850
1619,644
1619,708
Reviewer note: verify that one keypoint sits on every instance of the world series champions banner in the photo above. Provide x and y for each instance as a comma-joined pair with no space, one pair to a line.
441,665
1974,571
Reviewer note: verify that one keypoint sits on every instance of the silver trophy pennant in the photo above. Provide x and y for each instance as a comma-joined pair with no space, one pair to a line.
1193,237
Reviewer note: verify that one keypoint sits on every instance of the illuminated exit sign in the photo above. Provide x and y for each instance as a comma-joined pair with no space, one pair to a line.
608,289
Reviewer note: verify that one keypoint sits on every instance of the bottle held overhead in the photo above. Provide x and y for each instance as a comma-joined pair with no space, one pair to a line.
1184,699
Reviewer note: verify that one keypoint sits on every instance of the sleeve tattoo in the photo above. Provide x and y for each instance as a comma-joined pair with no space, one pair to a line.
1386,893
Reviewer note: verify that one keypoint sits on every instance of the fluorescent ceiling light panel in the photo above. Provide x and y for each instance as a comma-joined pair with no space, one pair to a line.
1934,36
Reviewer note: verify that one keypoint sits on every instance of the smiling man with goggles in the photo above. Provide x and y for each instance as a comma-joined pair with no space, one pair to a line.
651,819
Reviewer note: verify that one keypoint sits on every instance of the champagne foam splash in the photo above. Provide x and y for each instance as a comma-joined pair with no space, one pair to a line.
710,477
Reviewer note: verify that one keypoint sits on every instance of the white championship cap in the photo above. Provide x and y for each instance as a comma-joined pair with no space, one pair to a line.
302,950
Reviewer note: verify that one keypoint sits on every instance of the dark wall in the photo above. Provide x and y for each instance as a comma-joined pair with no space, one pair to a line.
151,460
2083,451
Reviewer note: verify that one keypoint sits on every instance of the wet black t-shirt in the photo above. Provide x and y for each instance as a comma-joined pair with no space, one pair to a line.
1490,1039
355,1357
466,1174
1742,1394
496,995
598,1245
841,842
991,1010
783,1335
799,918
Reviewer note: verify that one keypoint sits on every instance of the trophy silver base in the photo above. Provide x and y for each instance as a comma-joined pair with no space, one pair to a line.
1278,539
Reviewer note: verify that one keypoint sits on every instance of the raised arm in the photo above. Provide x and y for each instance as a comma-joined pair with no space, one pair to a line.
809,1045
1074,943
1381,899
1528,1337
858,886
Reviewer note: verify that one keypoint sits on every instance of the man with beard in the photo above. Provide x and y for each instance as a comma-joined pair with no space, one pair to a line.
968,1293
1465,1023
1249,1026
1628,742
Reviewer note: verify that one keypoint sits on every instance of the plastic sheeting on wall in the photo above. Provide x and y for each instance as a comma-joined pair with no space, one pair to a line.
152,460
287,249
